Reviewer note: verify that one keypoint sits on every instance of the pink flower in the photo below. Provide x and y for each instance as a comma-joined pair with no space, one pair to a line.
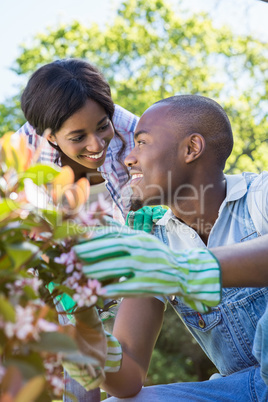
26,325
87,295
72,281
23,327
70,260
95,212
53,374
2,372
16,288
46,326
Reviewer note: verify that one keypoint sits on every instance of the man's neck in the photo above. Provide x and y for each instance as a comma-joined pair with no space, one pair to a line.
200,207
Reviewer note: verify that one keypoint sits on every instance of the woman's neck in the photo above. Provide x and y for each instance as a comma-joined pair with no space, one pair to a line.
93,176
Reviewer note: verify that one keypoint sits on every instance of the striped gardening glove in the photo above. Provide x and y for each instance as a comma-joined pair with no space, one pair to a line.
138,264
144,218
99,351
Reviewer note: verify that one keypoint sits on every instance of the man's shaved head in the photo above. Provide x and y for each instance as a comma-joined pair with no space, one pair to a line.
198,114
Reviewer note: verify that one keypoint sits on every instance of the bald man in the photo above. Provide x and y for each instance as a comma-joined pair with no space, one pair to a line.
181,146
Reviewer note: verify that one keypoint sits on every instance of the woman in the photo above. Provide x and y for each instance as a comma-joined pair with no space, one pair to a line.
88,132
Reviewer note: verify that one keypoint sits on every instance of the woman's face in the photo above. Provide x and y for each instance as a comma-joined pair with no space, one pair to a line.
85,136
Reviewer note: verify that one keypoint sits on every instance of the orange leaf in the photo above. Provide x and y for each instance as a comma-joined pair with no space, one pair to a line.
83,190
62,183
31,391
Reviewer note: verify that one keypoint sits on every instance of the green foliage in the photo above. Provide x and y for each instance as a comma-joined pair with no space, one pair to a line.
177,357
152,50
11,116
32,343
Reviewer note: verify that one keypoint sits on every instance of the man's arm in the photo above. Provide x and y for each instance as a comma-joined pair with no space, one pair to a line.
136,327
244,264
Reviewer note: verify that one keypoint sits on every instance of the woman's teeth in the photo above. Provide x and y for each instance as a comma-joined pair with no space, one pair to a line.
96,156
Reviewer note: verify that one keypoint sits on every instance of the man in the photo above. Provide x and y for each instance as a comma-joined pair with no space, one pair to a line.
187,139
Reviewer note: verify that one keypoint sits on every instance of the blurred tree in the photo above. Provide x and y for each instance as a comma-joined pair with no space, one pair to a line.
11,116
177,356
149,51
152,50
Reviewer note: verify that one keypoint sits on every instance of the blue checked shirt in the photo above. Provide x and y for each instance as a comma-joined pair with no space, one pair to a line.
112,171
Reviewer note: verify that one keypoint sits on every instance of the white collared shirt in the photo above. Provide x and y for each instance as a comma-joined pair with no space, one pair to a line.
233,222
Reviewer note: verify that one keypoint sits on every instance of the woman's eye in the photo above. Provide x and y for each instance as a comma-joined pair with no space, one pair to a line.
102,128
77,139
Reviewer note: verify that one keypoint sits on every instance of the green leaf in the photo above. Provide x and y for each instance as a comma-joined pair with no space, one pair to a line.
67,229
6,207
53,216
7,311
5,263
29,365
54,342
29,293
20,253
40,174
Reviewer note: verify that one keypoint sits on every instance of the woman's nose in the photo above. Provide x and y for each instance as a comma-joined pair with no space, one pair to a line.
95,144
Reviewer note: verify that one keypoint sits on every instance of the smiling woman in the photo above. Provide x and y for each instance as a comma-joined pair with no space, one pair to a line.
87,131
85,136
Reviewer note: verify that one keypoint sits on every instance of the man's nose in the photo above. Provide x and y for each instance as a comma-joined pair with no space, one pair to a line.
130,160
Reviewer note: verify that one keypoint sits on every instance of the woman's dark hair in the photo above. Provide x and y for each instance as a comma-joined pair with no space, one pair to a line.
59,89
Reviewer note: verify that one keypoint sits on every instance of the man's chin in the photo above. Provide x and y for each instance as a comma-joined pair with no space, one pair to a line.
135,204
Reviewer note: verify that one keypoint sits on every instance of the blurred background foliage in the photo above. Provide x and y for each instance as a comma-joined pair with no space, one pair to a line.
149,51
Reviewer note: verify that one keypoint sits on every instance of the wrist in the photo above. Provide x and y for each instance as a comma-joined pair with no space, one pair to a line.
114,354
201,283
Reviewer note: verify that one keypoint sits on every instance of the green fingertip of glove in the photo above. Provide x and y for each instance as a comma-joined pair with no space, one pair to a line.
144,218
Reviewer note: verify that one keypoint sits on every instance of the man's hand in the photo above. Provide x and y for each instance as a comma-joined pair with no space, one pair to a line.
147,267
144,218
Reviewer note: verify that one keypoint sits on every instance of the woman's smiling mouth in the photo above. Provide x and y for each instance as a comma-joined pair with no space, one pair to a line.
95,156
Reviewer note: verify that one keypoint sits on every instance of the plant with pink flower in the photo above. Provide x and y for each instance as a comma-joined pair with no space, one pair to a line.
42,217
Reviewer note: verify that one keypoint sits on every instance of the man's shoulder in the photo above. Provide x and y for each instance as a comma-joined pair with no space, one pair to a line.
124,121
256,181
257,201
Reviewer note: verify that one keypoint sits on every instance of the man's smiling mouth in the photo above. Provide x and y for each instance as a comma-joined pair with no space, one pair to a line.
137,176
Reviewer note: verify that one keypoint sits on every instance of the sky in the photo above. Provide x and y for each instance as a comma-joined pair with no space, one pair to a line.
21,20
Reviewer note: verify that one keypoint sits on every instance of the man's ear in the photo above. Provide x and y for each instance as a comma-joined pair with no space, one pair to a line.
196,145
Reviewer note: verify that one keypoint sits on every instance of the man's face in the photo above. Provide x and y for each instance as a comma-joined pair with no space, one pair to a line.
155,160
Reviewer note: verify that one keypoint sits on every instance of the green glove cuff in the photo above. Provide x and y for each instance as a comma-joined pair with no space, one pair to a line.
82,376
114,354
201,287
92,378
144,218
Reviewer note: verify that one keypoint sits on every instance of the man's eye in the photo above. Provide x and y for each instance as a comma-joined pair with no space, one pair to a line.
141,142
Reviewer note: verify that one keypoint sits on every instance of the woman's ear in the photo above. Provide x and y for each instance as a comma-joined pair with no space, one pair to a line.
196,145
51,138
